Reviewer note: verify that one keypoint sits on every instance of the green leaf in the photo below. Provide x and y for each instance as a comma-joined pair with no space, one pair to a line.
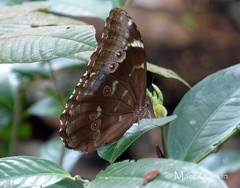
45,43
26,7
111,152
67,183
90,8
52,150
27,15
29,172
206,114
223,162
166,73
45,107
172,173
6,28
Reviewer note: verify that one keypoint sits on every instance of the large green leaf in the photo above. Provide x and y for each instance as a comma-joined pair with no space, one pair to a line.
172,173
27,15
207,113
45,43
111,152
90,8
29,172
222,162
20,6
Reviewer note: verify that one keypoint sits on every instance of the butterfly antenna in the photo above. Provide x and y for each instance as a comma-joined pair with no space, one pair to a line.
150,88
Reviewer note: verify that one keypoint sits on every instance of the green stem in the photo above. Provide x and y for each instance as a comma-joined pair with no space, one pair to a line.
164,141
16,121
217,146
62,153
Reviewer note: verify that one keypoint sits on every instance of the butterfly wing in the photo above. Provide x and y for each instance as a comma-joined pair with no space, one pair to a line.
110,96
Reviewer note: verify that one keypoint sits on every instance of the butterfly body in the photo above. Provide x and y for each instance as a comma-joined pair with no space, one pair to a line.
110,96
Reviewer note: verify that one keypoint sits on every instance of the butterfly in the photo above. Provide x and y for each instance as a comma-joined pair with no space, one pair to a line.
110,96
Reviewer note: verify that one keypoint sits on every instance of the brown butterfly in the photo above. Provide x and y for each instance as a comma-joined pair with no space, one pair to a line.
110,96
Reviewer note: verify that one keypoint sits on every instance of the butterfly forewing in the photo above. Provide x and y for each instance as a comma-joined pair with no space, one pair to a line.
110,96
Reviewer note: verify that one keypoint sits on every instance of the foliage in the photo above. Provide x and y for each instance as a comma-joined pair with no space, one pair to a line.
206,118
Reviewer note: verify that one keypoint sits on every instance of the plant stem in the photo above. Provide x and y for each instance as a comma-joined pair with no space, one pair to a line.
217,146
164,141
16,121
62,153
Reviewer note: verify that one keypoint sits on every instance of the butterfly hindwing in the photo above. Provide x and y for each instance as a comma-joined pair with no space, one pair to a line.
110,96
